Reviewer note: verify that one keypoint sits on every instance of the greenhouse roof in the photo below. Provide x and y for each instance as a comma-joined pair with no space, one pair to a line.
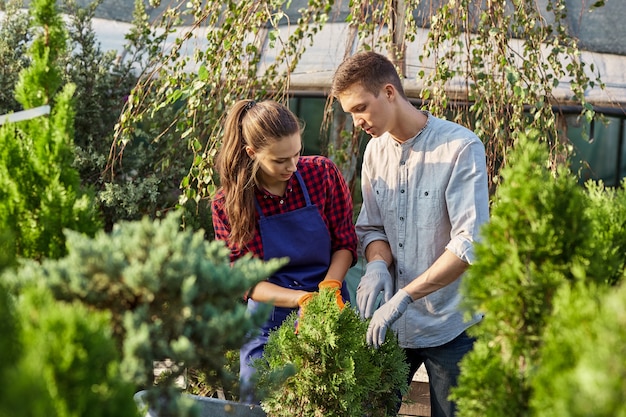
598,30
600,35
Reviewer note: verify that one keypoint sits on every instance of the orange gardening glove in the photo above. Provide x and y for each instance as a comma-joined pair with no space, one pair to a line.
333,283
302,303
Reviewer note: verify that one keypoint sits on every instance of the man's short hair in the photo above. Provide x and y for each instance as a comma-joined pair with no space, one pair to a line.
370,69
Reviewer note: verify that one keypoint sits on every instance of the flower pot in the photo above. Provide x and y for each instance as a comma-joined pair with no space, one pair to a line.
212,407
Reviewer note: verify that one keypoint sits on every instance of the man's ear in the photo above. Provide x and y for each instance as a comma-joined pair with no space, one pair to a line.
390,91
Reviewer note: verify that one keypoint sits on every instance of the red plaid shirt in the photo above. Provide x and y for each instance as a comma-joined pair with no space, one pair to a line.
327,190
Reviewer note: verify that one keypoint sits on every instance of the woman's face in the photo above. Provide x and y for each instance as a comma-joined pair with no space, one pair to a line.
278,161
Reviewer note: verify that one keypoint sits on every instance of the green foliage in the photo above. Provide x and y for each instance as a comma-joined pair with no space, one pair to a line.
510,64
171,295
607,210
490,384
41,80
14,39
203,382
180,102
9,344
145,184
537,233
7,250
548,245
583,358
40,192
61,360
103,80
337,374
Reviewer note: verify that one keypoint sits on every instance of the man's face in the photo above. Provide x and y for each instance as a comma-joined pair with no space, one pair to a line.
368,112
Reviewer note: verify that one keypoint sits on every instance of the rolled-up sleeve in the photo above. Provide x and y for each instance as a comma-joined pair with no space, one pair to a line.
467,198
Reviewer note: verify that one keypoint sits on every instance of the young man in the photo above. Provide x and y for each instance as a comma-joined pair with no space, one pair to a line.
425,197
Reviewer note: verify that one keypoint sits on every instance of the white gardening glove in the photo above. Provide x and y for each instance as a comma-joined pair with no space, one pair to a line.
376,279
385,316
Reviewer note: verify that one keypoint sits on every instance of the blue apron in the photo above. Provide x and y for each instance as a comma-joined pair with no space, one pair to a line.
302,236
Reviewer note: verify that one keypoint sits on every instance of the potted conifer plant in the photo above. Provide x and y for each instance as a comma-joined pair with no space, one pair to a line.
336,372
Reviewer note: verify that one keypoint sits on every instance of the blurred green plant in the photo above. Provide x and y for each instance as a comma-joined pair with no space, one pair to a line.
59,359
171,295
582,359
15,37
545,239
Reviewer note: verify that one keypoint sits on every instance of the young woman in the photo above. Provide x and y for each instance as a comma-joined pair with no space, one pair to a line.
275,203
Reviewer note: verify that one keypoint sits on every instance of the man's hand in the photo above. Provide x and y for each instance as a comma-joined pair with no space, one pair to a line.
385,316
377,279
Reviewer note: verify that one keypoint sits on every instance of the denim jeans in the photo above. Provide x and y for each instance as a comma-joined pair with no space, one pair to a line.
442,366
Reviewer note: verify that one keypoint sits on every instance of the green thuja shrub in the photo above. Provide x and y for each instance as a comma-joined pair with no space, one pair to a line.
606,207
59,360
40,191
171,294
551,338
9,342
537,238
583,359
147,182
14,40
336,372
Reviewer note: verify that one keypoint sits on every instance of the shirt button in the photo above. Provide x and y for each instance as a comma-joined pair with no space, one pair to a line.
401,218
402,191
402,162
400,244
426,193
282,201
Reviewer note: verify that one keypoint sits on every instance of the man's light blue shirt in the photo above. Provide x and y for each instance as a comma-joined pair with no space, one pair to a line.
423,196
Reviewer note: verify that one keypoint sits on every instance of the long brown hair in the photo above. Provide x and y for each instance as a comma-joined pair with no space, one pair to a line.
256,125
